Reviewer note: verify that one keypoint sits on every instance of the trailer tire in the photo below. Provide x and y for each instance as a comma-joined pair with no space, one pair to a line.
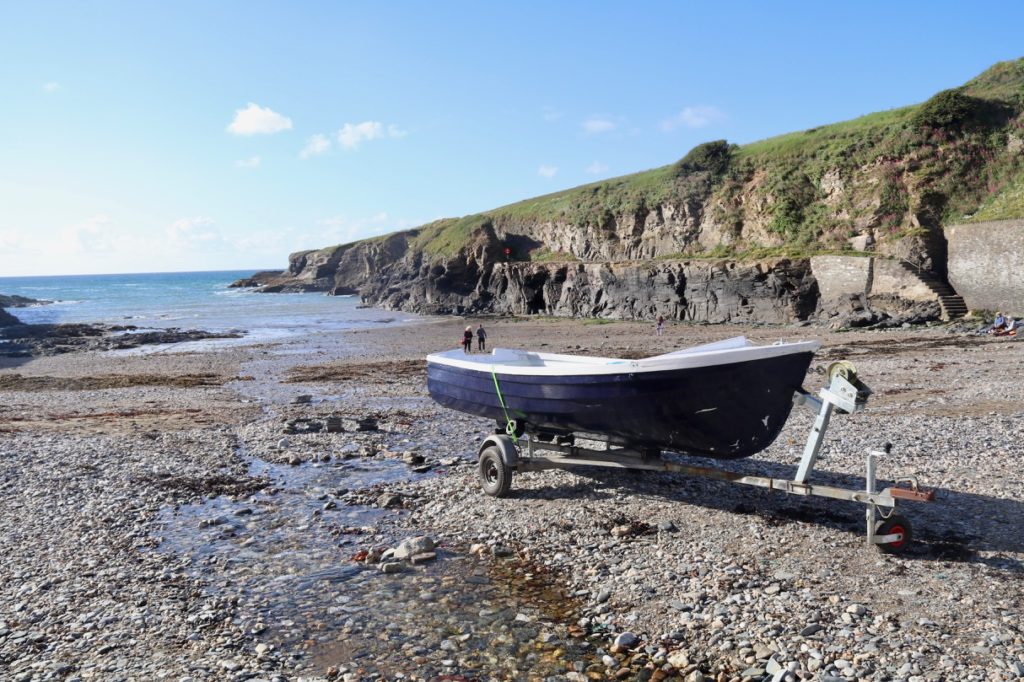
495,476
895,524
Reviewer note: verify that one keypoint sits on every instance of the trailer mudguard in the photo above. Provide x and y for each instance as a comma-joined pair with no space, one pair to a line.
506,446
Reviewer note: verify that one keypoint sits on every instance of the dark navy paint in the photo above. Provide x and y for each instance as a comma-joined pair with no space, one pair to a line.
717,411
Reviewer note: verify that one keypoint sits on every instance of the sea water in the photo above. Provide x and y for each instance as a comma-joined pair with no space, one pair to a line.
189,300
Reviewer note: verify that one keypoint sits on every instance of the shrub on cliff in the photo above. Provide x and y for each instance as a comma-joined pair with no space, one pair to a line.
711,157
949,110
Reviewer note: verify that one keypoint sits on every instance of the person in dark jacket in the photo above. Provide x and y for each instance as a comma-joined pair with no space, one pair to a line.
467,339
481,338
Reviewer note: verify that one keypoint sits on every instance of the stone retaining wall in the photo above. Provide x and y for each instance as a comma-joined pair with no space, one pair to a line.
840,276
986,264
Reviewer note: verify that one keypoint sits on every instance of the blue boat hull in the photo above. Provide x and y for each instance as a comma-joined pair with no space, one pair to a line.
724,411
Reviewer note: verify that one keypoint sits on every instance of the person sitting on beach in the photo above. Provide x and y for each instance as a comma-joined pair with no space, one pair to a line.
998,325
1009,328
481,338
467,339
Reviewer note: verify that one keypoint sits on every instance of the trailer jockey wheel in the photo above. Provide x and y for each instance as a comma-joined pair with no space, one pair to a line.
495,475
894,524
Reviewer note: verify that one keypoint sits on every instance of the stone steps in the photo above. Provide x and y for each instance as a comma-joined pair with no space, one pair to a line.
952,304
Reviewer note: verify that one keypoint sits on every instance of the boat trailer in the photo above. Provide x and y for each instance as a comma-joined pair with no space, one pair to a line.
516,450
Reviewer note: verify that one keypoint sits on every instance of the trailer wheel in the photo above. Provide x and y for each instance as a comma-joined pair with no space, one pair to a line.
895,524
495,475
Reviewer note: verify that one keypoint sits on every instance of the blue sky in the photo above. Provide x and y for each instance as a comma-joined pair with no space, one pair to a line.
144,136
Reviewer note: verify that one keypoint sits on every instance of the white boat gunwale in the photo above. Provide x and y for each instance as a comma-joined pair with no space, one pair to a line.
506,361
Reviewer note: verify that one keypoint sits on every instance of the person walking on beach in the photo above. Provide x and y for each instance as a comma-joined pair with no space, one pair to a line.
481,338
467,339
659,328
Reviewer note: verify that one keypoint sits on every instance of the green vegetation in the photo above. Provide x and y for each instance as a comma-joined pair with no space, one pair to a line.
710,157
948,110
898,173
446,236
730,253
1002,82
596,204
545,255
1004,205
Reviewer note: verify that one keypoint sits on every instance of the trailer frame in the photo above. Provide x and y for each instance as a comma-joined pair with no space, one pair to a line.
517,450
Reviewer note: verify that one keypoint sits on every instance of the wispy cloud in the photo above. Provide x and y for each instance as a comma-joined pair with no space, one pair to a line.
257,120
596,168
93,235
693,117
597,124
315,146
52,86
188,232
547,171
251,162
352,135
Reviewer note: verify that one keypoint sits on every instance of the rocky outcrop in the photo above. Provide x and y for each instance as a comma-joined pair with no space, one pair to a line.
25,340
259,279
7,320
336,270
19,301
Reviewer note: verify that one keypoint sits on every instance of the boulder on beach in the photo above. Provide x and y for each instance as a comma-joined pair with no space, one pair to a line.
416,545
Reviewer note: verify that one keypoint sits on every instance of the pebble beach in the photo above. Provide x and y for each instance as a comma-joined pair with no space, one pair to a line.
301,510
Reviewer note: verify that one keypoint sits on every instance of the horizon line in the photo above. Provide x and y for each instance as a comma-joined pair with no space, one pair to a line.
153,272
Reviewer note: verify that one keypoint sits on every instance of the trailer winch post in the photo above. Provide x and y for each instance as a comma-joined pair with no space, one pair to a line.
845,393
814,441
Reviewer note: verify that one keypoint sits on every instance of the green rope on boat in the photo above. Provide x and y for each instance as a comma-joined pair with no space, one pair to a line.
510,427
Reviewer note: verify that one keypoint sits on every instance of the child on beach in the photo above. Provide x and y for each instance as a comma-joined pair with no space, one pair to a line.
659,328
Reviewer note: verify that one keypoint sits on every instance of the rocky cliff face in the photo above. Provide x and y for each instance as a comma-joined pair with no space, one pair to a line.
480,278
337,270
770,291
